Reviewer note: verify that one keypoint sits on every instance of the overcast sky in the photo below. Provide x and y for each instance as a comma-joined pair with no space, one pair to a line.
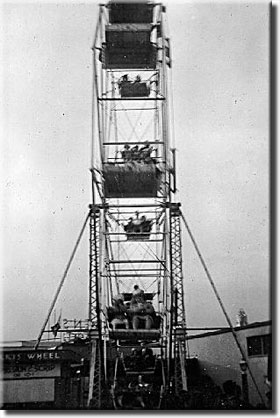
220,94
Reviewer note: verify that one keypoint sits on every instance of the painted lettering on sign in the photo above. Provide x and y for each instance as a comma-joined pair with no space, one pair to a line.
30,356
21,371
76,323
43,356
71,336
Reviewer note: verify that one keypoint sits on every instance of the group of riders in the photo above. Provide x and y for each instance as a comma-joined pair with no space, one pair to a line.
136,314
138,225
140,358
125,79
138,154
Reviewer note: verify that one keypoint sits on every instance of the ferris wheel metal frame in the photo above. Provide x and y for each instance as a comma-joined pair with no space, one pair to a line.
117,122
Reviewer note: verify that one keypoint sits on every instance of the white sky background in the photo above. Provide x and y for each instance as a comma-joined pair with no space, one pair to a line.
221,103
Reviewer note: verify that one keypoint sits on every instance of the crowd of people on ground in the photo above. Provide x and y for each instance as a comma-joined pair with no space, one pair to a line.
138,154
206,395
138,225
138,313
139,394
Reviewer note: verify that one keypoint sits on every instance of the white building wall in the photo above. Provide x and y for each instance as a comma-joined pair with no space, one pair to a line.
17,391
219,357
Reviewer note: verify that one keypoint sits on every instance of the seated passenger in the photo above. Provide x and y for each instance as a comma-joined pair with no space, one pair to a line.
126,153
134,360
138,298
145,153
135,302
146,226
137,221
135,154
119,313
142,311
149,358
129,226
138,225
143,220
123,79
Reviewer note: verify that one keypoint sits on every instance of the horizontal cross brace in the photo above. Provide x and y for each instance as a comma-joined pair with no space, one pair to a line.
135,205
135,261
116,241
125,70
151,212
133,142
154,269
123,233
150,345
129,98
135,334
143,372
132,276
135,108
78,330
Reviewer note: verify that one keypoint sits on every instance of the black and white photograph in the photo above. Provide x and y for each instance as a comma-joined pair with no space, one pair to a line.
136,206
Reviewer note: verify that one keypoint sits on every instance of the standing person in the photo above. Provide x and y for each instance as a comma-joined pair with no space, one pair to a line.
137,290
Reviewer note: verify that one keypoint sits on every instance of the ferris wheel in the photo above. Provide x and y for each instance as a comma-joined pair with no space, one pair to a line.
136,326
134,218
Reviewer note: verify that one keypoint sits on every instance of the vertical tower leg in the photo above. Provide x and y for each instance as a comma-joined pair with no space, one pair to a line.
178,314
96,361
94,226
95,383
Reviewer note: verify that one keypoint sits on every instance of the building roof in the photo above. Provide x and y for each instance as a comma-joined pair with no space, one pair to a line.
226,330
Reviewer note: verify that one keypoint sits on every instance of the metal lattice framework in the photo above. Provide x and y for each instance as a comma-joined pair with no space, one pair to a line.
176,266
123,188
95,378
178,322
94,267
130,111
